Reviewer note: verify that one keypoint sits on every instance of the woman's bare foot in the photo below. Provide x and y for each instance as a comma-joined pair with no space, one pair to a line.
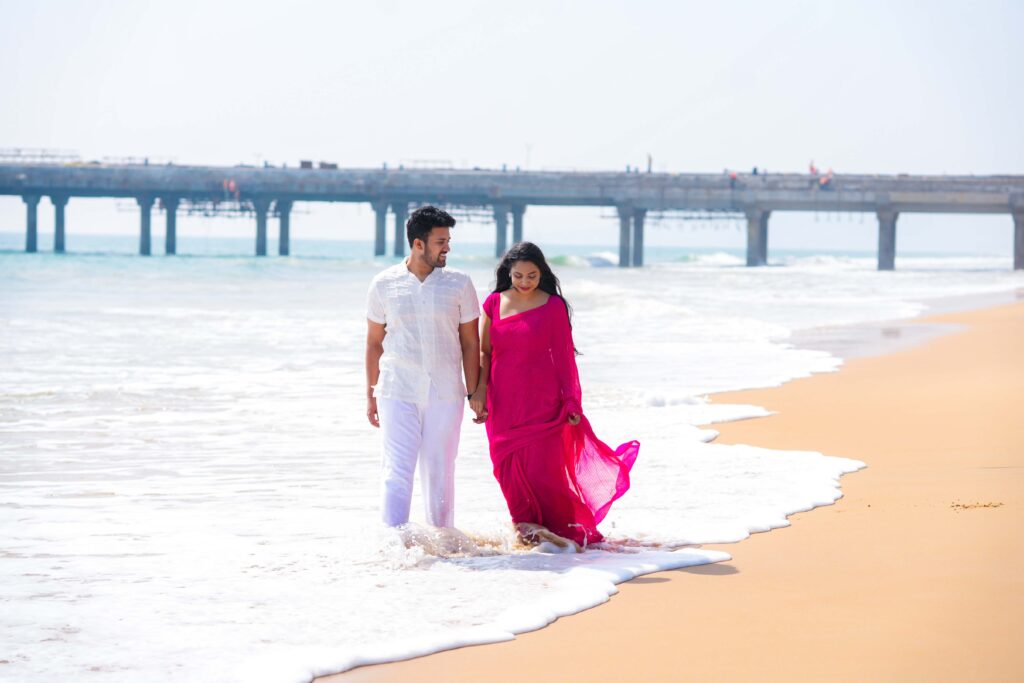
535,534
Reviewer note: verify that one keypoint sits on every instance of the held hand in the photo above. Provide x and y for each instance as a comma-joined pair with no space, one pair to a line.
574,419
478,404
478,401
371,411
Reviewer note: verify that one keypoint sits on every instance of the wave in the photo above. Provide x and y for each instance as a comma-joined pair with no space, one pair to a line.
719,258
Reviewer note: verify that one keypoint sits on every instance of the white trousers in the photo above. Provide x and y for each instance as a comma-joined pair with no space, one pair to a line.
427,433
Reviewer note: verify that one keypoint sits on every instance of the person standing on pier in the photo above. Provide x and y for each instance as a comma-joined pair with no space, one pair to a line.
422,338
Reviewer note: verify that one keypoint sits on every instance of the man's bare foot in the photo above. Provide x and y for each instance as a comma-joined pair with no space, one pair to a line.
535,534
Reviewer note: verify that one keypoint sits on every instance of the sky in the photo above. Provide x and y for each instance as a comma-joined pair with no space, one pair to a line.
866,87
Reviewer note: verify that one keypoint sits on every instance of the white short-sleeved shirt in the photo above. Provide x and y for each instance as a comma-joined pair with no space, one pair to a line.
422,343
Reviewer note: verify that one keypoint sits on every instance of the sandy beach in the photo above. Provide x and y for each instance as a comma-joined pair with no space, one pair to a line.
916,574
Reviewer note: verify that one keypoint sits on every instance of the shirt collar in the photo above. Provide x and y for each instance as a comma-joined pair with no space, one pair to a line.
404,265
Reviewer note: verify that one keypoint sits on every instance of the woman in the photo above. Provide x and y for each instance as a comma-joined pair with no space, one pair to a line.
559,480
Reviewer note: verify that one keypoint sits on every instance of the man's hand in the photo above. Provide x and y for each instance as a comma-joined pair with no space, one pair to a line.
374,350
478,404
371,411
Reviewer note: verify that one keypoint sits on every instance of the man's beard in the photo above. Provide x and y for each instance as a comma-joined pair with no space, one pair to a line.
435,260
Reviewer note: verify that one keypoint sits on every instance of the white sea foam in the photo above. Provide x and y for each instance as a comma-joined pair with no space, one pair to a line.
719,258
190,489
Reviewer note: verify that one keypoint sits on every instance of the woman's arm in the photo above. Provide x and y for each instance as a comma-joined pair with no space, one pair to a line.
563,356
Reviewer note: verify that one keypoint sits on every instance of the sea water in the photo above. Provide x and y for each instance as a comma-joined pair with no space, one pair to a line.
189,485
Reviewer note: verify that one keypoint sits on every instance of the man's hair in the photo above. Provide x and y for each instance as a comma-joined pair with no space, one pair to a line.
423,219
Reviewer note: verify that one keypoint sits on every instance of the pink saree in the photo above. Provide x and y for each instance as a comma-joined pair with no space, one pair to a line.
551,473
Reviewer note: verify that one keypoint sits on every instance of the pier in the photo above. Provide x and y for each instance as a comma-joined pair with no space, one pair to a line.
271,193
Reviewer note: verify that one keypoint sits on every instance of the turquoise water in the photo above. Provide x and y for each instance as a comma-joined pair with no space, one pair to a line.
362,250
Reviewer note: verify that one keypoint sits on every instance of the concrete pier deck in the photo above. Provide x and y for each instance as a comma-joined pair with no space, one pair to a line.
273,191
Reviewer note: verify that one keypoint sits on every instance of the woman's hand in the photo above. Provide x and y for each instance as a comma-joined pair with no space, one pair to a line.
574,419
478,404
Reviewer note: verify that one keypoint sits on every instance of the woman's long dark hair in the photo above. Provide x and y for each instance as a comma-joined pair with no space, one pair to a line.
528,251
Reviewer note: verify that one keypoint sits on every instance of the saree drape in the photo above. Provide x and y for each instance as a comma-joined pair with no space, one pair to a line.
551,473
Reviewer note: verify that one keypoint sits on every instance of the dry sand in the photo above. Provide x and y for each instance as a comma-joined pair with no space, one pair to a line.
917,574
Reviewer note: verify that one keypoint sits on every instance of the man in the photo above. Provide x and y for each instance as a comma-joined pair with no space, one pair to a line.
421,339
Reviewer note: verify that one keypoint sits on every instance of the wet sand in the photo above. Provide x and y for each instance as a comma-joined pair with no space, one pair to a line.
916,574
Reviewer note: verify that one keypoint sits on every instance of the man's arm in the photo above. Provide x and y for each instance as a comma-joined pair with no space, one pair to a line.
469,337
374,350
478,402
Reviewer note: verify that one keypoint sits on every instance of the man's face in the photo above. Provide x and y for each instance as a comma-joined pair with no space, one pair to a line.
436,247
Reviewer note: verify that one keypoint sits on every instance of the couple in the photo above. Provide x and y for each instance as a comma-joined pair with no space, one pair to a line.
425,334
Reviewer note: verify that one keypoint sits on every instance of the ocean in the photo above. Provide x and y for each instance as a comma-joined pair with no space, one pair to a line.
190,485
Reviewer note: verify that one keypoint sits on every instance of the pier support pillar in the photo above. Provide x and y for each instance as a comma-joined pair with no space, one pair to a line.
500,229
31,222
261,206
145,225
757,236
625,234
638,236
1019,239
59,203
284,228
380,209
171,233
887,239
517,222
401,211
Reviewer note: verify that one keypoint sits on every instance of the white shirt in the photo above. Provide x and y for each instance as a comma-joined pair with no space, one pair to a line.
421,344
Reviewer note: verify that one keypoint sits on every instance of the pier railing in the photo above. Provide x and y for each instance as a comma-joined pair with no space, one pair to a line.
506,194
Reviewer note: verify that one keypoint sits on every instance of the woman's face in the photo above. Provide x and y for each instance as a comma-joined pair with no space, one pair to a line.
525,276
